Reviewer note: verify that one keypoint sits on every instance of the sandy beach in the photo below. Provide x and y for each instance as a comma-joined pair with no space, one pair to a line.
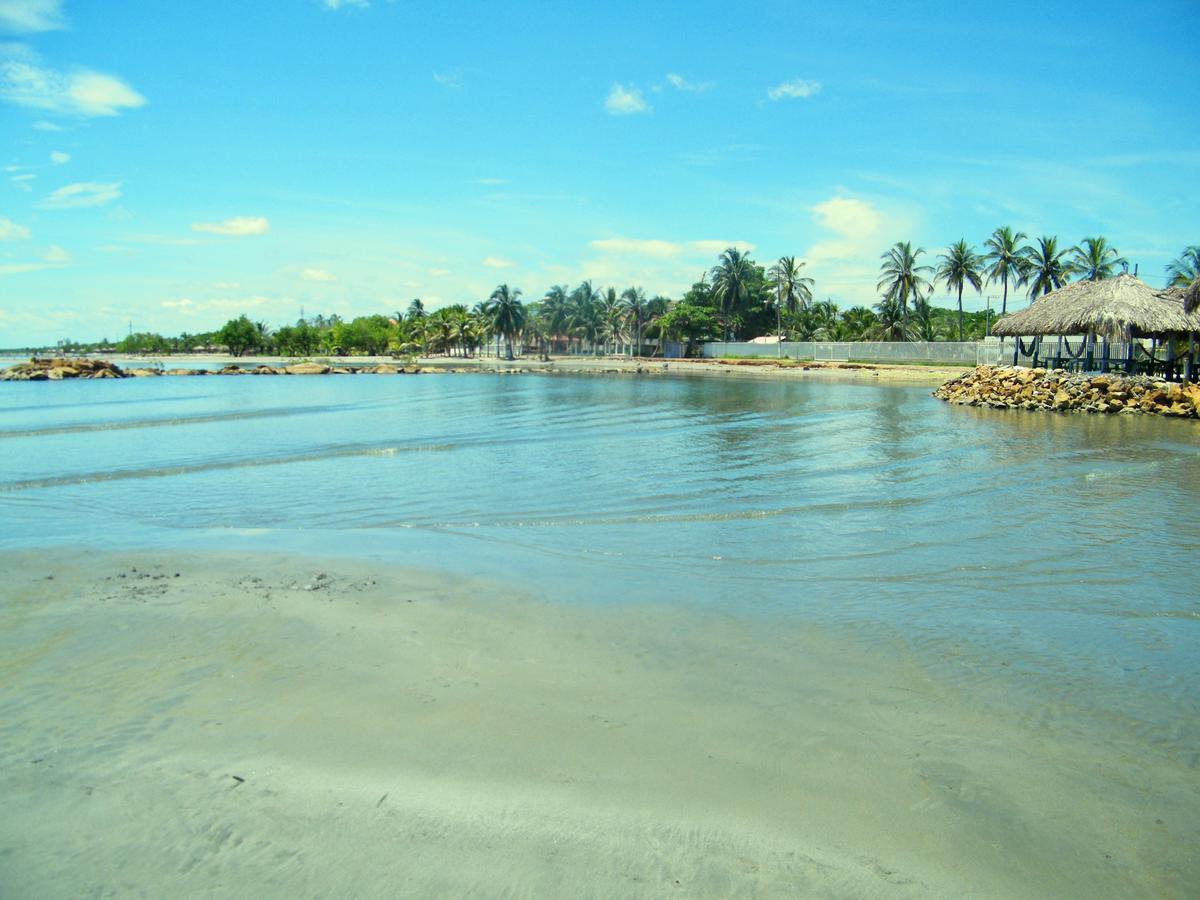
254,726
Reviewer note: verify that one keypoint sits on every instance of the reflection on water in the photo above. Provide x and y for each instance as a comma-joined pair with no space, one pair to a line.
1044,561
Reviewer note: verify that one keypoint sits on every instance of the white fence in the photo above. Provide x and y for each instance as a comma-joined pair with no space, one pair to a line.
967,353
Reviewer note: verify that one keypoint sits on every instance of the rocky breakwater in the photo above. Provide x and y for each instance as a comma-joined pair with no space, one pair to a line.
1016,387
58,369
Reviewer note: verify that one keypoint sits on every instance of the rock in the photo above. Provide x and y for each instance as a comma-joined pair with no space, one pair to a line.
1016,387
384,369
308,368
144,373
185,372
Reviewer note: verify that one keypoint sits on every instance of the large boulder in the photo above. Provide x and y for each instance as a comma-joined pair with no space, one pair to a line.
307,368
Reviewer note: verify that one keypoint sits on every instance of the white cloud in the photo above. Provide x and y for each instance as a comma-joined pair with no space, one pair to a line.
11,231
623,101
56,255
58,157
27,16
496,262
182,304
640,247
82,92
855,222
796,88
719,247
86,193
345,4
226,285
438,273
682,84
317,275
43,125
448,79
239,226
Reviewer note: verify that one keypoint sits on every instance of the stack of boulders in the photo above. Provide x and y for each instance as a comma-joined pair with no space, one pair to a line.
1016,387
57,369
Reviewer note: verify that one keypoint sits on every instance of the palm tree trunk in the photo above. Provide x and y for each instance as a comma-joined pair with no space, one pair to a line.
1004,302
960,314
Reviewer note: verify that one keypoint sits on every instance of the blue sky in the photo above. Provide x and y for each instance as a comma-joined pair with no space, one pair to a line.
177,164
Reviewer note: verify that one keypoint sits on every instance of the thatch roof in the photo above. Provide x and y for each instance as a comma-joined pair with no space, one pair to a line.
1117,308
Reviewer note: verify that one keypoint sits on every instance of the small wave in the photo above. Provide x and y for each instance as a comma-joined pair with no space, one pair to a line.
216,465
202,419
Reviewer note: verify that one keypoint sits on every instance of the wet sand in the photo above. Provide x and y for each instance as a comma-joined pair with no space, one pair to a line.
185,725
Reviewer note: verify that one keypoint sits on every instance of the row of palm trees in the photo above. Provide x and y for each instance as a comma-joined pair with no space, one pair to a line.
1043,266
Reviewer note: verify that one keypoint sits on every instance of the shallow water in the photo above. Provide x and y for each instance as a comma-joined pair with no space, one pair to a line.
1040,565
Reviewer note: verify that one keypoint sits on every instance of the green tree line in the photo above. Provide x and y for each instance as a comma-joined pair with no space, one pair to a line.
737,299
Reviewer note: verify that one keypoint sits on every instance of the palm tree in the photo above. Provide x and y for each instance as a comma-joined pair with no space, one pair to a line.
556,310
1006,259
634,299
890,324
416,309
791,290
508,313
732,278
1185,268
609,314
1095,260
1046,270
960,265
901,278
583,312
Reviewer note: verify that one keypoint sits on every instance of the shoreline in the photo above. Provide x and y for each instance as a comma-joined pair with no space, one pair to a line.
245,716
740,368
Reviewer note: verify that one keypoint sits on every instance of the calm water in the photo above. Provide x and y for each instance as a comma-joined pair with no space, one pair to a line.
1042,561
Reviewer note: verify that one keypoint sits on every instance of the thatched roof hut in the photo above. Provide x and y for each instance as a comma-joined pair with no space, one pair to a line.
1118,308
1189,296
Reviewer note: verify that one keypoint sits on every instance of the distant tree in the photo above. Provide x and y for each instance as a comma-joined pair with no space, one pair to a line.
1045,268
508,314
733,282
959,266
239,335
1185,268
791,289
1005,259
902,278
1095,259
634,300
416,309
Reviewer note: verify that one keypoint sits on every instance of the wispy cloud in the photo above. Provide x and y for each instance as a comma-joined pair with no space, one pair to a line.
43,125
28,16
56,255
491,181
797,88
448,79
649,247
438,273
317,275
345,4
682,84
84,193
238,226
22,182
81,92
17,268
625,101
497,262
58,157
11,231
